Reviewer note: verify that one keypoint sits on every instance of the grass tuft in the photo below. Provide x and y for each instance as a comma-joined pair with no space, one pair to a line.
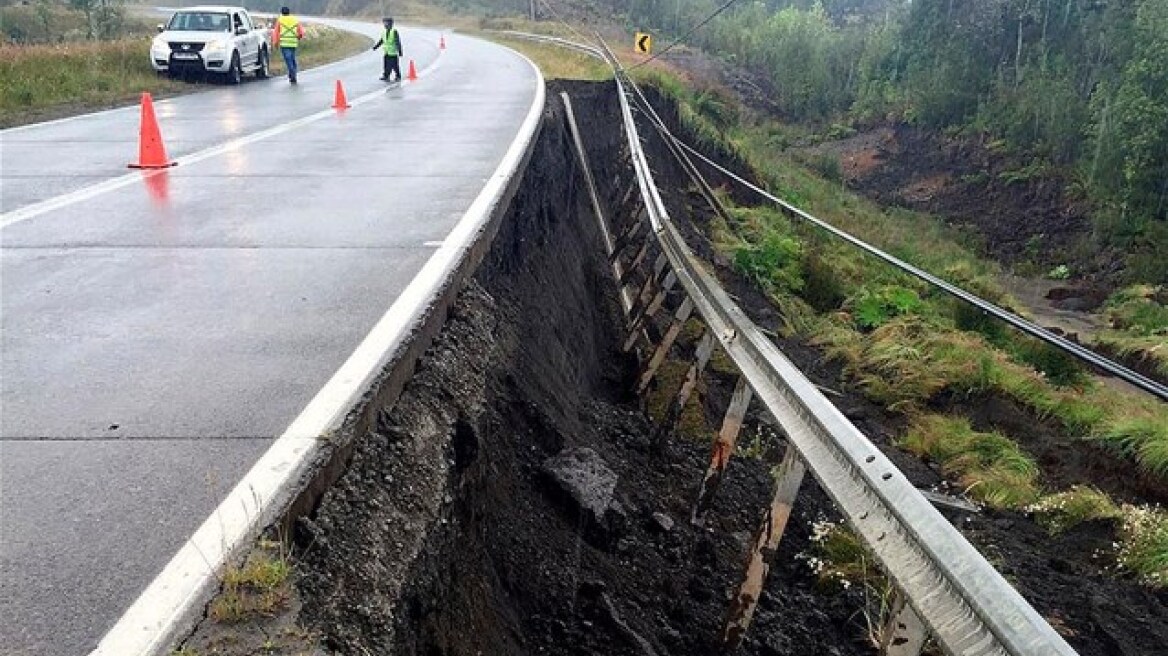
1064,510
1143,548
258,588
992,467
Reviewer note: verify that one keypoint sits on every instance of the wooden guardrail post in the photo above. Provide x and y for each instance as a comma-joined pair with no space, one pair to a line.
723,449
679,318
788,478
702,353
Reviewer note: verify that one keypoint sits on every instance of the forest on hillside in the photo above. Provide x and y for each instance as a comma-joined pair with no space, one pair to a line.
1074,86
1074,89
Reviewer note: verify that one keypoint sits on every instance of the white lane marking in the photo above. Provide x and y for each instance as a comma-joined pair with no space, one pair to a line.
86,193
432,244
174,599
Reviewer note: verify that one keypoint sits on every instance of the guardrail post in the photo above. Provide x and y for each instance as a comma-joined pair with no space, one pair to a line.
643,308
625,237
723,448
788,478
904,634
638,260
702,353
670,336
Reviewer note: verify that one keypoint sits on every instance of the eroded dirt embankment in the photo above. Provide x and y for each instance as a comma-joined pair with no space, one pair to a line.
510,503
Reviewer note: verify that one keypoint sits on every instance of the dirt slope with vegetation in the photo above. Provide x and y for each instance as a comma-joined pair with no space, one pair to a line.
960,394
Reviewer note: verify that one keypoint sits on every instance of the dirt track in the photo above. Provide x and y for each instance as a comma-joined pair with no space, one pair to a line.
453,530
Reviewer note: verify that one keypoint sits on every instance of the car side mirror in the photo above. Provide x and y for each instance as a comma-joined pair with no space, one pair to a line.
161,28
241,31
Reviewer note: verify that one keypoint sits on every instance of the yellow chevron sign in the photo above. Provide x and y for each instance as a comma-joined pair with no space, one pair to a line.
643,43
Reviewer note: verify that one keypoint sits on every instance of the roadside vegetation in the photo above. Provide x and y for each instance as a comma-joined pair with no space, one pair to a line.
52,65
916,351
258,587
1074,89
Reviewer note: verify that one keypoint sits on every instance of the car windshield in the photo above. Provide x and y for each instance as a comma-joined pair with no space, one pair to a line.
200,21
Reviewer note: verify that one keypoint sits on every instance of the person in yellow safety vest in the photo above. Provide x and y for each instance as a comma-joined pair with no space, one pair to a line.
393,50
286,35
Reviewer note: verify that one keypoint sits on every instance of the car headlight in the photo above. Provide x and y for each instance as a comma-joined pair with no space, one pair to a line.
159,43
215,46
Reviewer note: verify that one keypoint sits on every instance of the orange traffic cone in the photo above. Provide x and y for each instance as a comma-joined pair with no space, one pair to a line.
340,102
441,42
412,75
151,152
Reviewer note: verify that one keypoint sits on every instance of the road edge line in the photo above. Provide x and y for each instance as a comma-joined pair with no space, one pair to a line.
40,208
173,602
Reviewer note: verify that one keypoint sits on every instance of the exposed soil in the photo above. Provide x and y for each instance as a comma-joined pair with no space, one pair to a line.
457,530
1065,577
448,521
1020,216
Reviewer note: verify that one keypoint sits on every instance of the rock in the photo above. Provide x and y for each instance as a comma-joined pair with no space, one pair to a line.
662,522
585,478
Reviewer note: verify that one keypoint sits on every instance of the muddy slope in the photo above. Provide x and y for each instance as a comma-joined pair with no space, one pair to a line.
450,534
1098,611
1018,213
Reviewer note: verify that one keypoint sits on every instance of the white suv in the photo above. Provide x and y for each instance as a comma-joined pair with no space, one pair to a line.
221,40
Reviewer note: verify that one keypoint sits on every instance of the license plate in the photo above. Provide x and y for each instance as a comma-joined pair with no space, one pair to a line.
185,55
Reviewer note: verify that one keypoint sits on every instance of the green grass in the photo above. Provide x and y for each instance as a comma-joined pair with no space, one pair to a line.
1064,510
76,77
903,343
1138,319
557,63
257,588
992,467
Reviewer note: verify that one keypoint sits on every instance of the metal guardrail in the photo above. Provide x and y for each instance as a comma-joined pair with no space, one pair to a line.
1134,378
965,603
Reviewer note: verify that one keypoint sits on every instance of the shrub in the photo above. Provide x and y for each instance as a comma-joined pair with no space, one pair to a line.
874,308
774,263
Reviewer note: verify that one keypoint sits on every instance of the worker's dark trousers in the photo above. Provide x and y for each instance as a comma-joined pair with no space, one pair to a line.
391,66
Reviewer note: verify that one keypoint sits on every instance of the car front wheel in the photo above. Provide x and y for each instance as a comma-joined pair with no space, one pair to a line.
261,71
235,73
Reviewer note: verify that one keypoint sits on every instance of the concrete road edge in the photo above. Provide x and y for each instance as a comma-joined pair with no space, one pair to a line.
289,474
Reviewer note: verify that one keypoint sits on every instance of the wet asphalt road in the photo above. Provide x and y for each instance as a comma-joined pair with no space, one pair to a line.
158,335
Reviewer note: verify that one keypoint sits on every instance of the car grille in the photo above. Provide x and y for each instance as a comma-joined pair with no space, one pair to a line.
182,46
